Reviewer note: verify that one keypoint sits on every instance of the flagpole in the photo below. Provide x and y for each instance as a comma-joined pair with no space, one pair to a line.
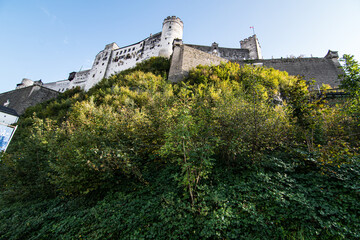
253,29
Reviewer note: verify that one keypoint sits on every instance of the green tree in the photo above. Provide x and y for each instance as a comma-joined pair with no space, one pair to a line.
189,140
350,81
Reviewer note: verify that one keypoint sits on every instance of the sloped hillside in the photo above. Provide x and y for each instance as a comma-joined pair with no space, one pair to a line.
229,153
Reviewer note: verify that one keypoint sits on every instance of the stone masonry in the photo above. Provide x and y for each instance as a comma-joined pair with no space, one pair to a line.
22,98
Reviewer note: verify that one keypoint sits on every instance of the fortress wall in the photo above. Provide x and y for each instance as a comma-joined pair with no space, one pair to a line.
233,54
193,57
114,59
127,57
322,70
21,99
124,58
100,65
185,58
227,53
80,79
60,86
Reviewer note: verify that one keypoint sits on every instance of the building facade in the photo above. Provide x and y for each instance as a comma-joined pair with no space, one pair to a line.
8,116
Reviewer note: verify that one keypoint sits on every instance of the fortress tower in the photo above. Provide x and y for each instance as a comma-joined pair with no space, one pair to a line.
172,29
252,43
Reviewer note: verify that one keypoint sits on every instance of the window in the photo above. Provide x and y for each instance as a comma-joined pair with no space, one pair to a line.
94,75
169,27
125,51
133,48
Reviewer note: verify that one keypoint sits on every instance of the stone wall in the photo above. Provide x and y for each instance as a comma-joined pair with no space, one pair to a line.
185,58
227,53
322,70
59,86
21,99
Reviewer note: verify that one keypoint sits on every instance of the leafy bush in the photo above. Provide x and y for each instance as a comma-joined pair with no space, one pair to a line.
229,153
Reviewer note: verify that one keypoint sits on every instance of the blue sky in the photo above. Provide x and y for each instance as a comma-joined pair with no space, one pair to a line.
49,39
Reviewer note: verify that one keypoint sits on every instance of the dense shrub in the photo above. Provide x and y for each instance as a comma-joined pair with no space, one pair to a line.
229,153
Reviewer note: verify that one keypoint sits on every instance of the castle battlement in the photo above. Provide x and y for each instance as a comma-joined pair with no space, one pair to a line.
251,38
172,18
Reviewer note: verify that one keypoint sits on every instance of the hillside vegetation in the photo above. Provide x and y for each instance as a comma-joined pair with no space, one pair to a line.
229,153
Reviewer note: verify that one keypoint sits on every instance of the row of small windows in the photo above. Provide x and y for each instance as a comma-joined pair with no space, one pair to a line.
127,50
118,54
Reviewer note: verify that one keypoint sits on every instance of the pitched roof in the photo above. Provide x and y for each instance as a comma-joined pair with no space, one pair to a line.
8,110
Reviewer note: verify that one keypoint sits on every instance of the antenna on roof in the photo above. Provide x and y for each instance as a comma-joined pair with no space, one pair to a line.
252,27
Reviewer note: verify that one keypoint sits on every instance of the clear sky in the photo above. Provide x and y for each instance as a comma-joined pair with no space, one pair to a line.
48,39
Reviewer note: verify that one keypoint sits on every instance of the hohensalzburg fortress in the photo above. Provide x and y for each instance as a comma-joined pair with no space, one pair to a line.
114,59
168,43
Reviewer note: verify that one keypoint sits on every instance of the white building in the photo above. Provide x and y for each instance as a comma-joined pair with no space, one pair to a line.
114,59
8,116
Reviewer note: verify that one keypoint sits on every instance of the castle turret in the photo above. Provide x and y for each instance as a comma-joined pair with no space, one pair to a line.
172,29
252,43
25,83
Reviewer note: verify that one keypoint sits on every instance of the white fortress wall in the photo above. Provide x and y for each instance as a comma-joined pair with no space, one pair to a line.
100,65
127,57
60,86
80,79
